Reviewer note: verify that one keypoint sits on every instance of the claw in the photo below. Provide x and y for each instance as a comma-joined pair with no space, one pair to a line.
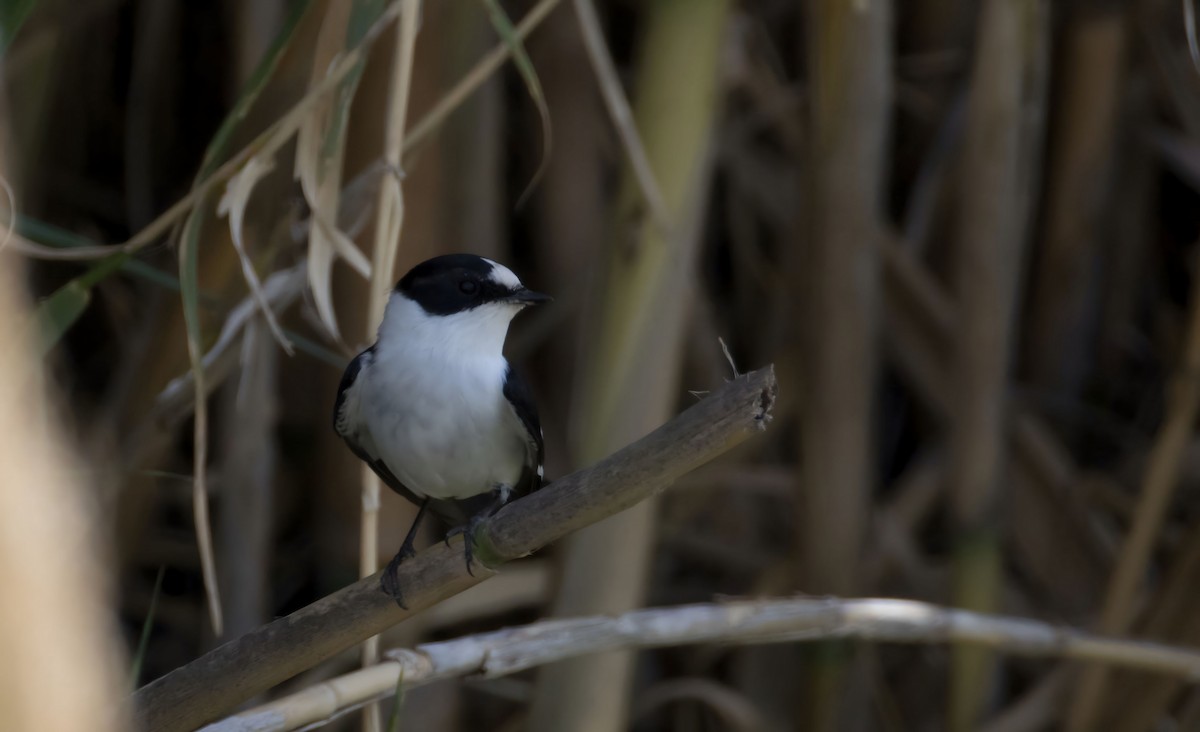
468,544
389,582
468,533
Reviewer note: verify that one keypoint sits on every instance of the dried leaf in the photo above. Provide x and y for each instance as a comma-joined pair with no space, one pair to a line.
233,205
325,241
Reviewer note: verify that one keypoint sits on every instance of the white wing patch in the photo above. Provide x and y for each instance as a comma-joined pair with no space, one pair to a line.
540,468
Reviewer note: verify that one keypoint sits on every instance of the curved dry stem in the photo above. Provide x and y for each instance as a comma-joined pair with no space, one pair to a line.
388,225
620,112
742,622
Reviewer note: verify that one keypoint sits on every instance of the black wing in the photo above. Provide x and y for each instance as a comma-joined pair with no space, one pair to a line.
349,377
521,400
347,426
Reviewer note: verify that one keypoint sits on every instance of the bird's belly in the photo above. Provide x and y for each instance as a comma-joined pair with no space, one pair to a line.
444,445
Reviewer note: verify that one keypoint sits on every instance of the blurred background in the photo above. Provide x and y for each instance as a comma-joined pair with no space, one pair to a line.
963,231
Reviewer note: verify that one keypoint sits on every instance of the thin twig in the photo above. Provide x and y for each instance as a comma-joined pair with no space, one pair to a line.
475,78
512,650
208,566
233,206
619,111
177,398
728,357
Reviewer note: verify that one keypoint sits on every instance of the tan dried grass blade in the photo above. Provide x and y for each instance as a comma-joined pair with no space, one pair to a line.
233,206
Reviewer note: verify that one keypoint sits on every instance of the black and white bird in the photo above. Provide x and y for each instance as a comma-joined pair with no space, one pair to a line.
434,407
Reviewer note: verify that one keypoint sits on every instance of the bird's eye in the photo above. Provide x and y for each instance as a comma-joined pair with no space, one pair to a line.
468,287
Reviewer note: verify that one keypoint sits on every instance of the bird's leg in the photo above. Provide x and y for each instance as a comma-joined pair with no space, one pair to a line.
468,529
406,547
388,580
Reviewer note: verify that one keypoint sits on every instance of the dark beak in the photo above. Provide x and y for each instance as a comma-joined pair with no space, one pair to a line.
525,296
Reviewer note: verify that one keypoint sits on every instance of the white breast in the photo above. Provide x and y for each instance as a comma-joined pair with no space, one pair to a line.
434,410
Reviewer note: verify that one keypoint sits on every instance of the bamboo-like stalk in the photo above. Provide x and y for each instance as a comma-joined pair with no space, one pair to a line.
850,57
572,205
217,682
472,146
632,380
249,468
849,62
388,224
1059,350
790,620
992,230
921,326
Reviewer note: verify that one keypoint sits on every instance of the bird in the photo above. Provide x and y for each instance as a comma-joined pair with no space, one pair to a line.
433,406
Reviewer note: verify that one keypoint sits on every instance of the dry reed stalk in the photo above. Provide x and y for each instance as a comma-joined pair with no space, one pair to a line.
849,61
388,224
571,207
471,152
733,622
850,92
991,234
249,467
632,382
1061,312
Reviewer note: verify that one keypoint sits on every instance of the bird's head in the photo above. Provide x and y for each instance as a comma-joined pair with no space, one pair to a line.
457,297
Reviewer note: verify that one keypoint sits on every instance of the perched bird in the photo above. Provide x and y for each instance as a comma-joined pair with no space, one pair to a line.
433,406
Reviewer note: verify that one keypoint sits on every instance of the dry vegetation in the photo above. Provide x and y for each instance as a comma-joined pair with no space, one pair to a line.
965,234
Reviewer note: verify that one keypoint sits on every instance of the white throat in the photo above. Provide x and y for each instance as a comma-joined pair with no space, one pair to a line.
475,333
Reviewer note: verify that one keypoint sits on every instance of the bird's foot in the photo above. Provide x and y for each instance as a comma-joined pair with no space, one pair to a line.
468,533
388,581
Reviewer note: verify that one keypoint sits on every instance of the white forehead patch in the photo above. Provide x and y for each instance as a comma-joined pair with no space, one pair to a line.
502,275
